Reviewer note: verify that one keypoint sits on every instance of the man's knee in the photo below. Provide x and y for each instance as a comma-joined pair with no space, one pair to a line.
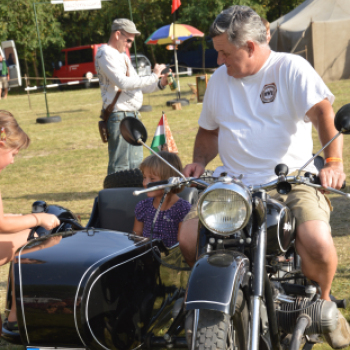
314,238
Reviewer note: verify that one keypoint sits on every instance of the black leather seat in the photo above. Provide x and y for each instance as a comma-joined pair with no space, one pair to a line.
116,206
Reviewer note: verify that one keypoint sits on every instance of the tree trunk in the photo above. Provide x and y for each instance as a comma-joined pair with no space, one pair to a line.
34,61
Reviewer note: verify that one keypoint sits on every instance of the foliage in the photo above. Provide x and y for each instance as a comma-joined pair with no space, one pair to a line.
60,29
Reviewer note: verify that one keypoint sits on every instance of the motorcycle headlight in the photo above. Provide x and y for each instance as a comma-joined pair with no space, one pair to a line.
225,208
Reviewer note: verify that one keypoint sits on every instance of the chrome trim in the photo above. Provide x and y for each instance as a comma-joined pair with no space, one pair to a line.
255,323
21,289
207,301
195,327
92,285
81,280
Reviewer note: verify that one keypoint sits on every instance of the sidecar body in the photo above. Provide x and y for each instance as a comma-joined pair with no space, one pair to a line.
99,287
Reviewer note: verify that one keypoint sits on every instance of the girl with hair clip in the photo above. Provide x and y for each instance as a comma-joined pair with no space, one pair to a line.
15,228
173,209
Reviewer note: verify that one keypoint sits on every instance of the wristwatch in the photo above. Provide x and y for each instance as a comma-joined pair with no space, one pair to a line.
161,87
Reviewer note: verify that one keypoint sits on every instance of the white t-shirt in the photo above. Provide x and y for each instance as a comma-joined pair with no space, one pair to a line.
111,71
262,118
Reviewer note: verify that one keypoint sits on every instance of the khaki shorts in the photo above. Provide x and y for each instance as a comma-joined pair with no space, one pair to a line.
4,84
305,202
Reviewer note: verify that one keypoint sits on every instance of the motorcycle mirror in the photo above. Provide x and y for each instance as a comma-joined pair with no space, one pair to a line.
342,119
133,130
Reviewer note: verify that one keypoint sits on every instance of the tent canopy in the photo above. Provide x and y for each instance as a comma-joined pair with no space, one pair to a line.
318,30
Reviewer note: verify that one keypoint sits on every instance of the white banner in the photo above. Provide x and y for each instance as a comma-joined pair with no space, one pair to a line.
78,5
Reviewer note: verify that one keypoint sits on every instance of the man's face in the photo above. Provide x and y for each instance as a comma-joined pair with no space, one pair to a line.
236,60
124,41
0,58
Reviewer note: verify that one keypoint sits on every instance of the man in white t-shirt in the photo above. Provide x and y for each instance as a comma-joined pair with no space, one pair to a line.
115,71
258,112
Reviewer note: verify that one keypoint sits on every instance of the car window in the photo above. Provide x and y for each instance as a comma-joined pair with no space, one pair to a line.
79,56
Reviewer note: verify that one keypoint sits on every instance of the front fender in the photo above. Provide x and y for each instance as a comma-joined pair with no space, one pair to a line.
215,280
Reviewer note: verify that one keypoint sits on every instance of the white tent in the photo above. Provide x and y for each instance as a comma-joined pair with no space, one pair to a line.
318,30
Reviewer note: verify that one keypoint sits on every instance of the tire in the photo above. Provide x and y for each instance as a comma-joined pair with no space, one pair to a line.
125,178
46,120
145,108
217,330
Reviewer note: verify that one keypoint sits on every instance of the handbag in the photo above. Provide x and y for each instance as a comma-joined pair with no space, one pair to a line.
105,113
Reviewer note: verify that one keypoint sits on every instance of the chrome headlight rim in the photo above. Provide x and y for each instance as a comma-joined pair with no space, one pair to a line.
237,188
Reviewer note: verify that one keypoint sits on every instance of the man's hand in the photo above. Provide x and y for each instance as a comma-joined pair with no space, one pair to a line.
158,70
194,169
332,175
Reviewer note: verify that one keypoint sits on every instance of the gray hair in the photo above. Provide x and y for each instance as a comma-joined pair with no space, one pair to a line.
241,24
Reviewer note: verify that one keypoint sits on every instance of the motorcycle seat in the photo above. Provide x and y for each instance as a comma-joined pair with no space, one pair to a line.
116,206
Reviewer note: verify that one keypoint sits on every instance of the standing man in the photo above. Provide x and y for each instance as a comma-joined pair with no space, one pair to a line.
258,112
115,72
4,77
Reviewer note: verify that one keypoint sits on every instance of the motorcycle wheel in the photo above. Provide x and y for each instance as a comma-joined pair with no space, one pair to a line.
217,330
125,178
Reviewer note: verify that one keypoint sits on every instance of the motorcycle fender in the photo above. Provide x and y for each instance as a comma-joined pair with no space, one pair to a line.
215,280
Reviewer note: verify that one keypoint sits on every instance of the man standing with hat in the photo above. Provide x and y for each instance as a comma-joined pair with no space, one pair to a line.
115,72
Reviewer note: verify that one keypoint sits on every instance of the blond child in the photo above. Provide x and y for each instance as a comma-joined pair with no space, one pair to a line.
15,228
173,209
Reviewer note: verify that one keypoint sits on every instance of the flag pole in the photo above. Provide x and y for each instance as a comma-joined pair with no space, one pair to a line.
175,58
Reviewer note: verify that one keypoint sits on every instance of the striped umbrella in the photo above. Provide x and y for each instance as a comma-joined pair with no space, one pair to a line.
173,32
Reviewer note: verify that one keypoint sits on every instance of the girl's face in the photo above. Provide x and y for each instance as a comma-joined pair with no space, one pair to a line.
148,177
7,155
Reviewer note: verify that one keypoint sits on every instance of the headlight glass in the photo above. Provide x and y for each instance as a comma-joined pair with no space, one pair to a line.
225,211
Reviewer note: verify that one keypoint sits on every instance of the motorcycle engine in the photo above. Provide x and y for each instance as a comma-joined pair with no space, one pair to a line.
323,313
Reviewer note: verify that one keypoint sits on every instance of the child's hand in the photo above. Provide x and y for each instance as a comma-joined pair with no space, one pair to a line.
48,221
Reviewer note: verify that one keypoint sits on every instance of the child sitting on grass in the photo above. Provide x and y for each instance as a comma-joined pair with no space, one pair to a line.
15,228
173,209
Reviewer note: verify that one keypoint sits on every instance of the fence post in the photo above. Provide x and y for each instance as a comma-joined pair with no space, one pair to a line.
25,77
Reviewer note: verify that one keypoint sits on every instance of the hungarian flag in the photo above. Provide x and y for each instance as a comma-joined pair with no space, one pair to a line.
176,5
163,139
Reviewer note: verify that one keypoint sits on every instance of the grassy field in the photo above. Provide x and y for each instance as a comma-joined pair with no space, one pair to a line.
67,162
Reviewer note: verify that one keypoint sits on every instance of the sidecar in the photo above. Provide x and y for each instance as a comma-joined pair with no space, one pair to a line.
100,287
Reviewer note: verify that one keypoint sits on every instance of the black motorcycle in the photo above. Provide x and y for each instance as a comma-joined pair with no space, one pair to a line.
104,288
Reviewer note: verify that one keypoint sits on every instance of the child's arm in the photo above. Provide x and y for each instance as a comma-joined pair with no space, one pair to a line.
16,223
138,227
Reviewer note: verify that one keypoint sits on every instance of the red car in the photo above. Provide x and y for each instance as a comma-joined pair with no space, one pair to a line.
77,64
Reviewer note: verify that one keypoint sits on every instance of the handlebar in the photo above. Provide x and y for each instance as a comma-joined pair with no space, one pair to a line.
309,180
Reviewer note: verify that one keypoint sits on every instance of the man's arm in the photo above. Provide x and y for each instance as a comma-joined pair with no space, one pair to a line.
205,150
322,117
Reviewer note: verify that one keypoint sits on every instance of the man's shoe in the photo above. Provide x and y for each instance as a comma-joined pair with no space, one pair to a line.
340,337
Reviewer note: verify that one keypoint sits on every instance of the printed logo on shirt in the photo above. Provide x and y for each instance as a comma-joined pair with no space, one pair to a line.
268,93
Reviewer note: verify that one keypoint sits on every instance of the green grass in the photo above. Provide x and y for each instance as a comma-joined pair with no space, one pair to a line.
66,163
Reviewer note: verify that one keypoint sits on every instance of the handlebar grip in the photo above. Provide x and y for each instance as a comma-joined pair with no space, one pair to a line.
157,183
316,180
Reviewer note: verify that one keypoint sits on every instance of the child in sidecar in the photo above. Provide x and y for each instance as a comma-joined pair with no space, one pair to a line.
173,209
15,228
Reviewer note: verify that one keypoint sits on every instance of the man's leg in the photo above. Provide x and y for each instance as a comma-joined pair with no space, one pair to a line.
314,244
6,92
117,147
188,240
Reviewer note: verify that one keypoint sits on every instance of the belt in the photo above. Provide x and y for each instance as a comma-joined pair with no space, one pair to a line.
126,113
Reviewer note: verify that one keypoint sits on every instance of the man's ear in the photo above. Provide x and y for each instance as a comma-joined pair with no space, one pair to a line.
251,48
2,144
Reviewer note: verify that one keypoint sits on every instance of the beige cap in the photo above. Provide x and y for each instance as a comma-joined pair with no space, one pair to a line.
126,25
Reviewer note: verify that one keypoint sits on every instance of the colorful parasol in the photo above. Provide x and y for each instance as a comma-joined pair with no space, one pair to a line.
165,34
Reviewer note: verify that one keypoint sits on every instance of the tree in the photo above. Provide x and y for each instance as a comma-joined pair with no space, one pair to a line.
18,21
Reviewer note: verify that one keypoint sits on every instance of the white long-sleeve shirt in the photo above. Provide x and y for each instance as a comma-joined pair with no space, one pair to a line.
111,70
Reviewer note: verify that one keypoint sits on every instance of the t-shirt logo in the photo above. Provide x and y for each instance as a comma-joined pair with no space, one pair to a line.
268,93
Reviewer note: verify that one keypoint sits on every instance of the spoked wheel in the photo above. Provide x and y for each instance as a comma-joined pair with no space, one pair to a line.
217,330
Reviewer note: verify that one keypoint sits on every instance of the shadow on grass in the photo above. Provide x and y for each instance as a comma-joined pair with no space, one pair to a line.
60,197
73,111
340,219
